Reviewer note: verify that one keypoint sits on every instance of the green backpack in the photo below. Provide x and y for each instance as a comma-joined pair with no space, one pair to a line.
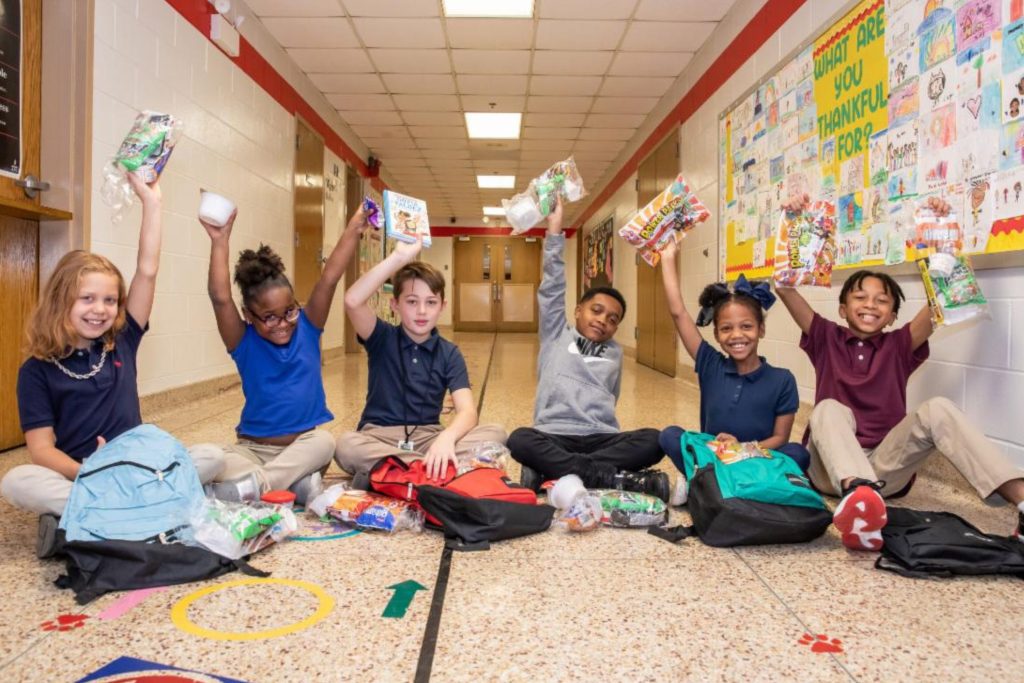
750,502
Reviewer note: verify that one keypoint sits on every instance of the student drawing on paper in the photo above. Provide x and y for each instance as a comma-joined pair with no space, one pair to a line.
979,188
1020,86
1016,191
936,86
1014,108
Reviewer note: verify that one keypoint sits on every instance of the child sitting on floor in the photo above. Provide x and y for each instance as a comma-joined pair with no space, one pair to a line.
579,370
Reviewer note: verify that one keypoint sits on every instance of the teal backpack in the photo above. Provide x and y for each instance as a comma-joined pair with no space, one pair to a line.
750,502
139,487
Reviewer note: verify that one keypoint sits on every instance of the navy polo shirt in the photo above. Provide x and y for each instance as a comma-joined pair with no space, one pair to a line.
407,381
742,405
79,410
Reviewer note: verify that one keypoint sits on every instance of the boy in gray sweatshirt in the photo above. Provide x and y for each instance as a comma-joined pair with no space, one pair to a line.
579,371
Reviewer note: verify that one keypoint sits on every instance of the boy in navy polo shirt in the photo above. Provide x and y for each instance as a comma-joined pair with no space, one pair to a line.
863,443
410,368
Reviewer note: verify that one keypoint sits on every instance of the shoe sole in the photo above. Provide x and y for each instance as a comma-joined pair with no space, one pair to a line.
860,518
46,540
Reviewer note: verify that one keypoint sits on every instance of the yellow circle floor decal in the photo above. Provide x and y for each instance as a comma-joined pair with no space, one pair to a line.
179,613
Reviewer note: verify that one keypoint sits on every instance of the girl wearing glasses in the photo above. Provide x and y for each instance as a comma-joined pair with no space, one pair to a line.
275,344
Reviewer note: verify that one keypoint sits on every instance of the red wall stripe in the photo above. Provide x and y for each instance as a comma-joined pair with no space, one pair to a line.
487,231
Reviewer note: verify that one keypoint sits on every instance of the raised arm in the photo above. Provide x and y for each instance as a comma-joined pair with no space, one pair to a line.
797,306
551,293
229,322
319,305
685,325
921,327
143,286
359,292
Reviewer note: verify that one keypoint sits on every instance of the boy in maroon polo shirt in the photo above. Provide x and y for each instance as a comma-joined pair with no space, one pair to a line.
863,444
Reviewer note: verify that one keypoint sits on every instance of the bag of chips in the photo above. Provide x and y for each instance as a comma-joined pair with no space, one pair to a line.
668,216
935,233
734,451
528,208
955,298
628,509
235,530
373,511
145,151
805,246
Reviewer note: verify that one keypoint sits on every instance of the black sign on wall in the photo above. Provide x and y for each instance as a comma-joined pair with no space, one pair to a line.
10,88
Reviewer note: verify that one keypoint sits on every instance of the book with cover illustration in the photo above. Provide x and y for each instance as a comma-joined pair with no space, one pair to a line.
405,218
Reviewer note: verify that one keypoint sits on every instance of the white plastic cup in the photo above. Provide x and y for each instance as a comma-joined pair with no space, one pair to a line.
215,209
941,264
565,491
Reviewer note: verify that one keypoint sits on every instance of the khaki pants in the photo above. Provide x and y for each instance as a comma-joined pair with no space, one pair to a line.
358,451
41,490
278,467
936,425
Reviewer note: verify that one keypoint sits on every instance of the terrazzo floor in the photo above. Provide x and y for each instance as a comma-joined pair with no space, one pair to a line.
615,605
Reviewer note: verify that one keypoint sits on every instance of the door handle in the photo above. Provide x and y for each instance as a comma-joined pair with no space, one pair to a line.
32,186
498,287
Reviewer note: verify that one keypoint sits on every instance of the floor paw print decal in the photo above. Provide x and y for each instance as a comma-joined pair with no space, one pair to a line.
822,643
64,622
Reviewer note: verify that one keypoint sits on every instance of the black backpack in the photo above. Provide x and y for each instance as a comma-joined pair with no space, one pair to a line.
472,523
95,568
922,544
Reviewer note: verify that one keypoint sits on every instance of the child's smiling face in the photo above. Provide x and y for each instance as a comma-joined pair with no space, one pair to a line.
94,310
738,331
868,309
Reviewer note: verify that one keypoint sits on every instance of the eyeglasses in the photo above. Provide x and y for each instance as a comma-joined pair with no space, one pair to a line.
291,314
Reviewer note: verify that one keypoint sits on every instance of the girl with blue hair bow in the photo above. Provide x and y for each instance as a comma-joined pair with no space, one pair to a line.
742,397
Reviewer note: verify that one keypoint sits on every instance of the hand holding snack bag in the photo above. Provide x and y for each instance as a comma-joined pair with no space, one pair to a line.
144,151
528,208
954,297
665,219
805,248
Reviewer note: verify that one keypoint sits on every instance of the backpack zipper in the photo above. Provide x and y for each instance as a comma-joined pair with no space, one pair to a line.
159,473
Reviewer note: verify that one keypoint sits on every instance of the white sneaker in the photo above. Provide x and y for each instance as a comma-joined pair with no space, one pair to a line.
680,492
307,488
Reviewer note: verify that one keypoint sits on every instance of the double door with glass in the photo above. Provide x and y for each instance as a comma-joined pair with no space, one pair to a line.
496,280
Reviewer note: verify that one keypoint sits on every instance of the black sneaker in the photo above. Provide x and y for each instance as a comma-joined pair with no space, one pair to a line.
46,540
652,482
1019,532
530,478
307,488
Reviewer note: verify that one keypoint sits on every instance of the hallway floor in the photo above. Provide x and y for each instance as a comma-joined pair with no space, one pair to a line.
615,605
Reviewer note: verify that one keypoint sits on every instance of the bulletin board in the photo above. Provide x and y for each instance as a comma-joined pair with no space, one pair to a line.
896,101
598,257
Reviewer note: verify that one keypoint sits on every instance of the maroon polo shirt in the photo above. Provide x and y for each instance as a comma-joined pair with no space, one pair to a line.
869,376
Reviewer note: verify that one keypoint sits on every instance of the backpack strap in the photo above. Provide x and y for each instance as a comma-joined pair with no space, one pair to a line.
249,570
672,534
456,543
887,564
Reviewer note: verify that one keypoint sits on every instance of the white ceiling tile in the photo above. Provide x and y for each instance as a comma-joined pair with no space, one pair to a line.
624,105
348,83
666,36
390,8
311,32
556,34
649,63
290,8
433,118
620,86
492,85
606,133
438,131
453,165
682,10
407,159
490,34
495,103
388,143
407,33
565,85
600,145
591,9
331,61
615,120
551,133
427,102
411,61
550,120
429,143
594,154
541,155
571,63
449,154
491,61
351,102
382,132
371,118
419,84
558,104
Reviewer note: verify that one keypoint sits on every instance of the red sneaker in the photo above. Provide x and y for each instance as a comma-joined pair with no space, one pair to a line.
860,516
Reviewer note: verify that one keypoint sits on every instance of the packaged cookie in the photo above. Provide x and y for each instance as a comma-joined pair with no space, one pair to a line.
628,509
376,512
145,151
805,247
734,451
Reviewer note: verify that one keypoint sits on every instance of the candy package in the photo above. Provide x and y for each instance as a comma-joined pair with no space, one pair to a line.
934,233
955,298
734,451
487,454
805,247
528,208
628,509
372,212
666,217
373,511
235,530
145,151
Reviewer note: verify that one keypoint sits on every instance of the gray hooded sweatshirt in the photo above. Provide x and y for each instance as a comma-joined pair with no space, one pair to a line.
577,380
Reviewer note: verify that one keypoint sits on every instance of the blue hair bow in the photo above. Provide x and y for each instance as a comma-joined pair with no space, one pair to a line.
760,291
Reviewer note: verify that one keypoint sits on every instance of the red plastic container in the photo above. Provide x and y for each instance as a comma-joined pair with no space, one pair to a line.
277,497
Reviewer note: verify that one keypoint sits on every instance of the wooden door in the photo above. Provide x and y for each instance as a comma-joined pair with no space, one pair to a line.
19,215
353,199
665,335
495,284
308,205
517,287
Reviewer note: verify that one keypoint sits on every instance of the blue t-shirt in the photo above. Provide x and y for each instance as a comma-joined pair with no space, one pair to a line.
407,381
79,410
283,387
742,405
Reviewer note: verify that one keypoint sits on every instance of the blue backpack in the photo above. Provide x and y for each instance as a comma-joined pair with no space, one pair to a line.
141,486
750,502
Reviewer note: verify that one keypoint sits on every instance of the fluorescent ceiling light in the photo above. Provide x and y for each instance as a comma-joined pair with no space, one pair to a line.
503,9
494,211
496,181
494,126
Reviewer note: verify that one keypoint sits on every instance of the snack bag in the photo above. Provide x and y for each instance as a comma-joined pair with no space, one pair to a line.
805,247
734,451
936,234
373,511
522,211
666,217
629,510
528,208
955,298
235,530
584,514
145,150
489,454
372,212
